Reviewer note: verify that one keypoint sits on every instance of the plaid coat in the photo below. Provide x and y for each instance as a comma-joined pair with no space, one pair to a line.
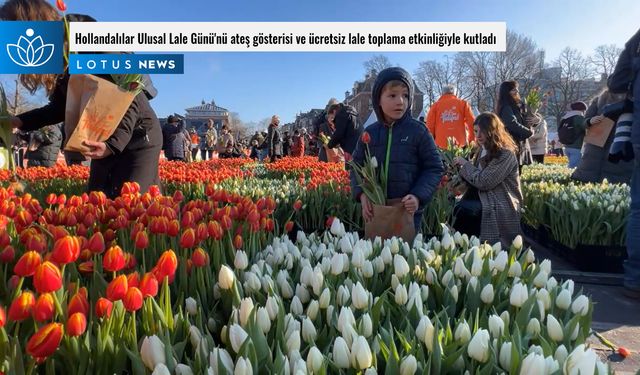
498,184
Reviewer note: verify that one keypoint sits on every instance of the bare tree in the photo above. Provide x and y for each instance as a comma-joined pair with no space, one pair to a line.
571,82
604,59
377,63
238,127
18,98
431,76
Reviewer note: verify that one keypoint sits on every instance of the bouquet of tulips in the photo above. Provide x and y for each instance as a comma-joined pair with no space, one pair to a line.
455,183
370,178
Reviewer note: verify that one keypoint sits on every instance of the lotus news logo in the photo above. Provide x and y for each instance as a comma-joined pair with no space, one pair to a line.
31,47
30,51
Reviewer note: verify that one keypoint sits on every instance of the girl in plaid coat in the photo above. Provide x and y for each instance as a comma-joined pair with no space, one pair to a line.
494,172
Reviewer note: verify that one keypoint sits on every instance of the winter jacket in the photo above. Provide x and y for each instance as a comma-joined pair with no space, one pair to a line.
451,117
348,130
595,165
209,140
225,143
538,141
513,120
625,79
415,166
286,146
325,129
577,121
47,141
498,185
274,142
174,140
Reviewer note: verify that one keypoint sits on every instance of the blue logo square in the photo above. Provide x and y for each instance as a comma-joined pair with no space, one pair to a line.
31,47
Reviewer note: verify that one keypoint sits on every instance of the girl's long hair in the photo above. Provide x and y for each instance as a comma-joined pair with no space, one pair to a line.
497,137
504,95
32,10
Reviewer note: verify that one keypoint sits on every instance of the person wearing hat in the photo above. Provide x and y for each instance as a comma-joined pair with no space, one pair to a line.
273,139
175,138
571,132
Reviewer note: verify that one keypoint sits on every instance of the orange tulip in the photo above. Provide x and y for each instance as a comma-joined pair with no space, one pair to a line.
44,308
47,278
113,259
3,317
174,228
117,288
149,285
51,199
96,243
62,199
167,265
86,267
45,342
66,250
76,324
200,258
103,308
27,264
188,239
237,241
133,299
21,307
79,303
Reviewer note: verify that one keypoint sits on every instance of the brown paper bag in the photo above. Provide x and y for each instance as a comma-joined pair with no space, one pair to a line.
597,134
94,109
390,220
334,155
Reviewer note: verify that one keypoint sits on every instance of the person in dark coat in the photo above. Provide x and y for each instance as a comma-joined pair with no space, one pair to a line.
510,109
174,139
286,144
44,146
274,142
414,165
344,119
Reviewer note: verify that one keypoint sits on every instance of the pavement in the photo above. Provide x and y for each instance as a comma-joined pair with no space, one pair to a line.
615,316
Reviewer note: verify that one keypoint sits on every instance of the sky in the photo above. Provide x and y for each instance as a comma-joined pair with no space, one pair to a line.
258,85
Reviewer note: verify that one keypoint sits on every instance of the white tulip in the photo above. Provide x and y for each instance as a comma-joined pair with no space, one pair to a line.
496,247
459,269
541,279
487,294
551,366
343,295
366,325
401,295
545,265
378,265
543,296
476,266
241,261
505,355
447,242
409,365
563,301
424,292
431,276
367,269
314,360
296,306
603,368
325,298
447,278
272,307
191,306
161,369
574,334
561,354
336,227
478,348
496,326
371,371
195,337
152,352
361,356
221,357
252,282
341,353
580,362
317,280
454,292
226,277
569,285
308,331
505,317
386,255
237,336
394,281
312,309
463,332
552,283
517,243
501,260
303,293
337,264
533,328
246,307
400,266
182,369
533,364
224,334
554,329
264,321
345,245
357,258
293,341
359,297
515,270
243,367
519,295
580,305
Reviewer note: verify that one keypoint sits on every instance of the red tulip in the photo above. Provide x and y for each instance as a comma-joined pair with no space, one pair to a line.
188,238
174,228
113,259
21,307
36,242
103,308
61,5
154,190
133,279
130,261
200,258
62,199
141,240
130,188
215,230
3,317
178,196
66,250
237,241
226,222
51,199
167,265
133,299
7,255
365,138
79,303
44,308
45,342
86,267
117,288
76,324
27,264
288,227
96,243
297,205
149,285
47,278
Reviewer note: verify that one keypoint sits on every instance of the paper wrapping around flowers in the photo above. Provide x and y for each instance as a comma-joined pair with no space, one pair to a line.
334,155
598,133
389,221
94,109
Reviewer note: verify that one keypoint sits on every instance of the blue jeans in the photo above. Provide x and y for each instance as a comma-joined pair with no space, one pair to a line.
632,265
574,155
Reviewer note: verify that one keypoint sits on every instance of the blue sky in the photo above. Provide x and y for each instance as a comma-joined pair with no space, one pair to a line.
257,85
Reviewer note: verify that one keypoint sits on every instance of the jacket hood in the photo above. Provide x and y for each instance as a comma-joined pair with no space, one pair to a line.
572,113
391,74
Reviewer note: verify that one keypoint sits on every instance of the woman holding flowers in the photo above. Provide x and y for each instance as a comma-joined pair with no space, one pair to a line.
131,153
494,172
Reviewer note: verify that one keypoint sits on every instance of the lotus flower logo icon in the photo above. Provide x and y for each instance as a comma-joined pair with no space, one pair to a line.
30,51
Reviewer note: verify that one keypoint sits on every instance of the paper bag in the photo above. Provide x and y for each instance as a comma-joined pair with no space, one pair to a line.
94,109
598,133
334,155
390,220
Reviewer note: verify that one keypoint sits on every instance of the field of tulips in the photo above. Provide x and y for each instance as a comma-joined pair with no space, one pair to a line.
168,285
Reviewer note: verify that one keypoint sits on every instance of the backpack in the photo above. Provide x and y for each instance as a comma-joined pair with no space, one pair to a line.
567,133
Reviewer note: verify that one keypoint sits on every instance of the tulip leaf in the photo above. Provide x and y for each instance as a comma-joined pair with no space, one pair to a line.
136,362
17,357
449,360
523,316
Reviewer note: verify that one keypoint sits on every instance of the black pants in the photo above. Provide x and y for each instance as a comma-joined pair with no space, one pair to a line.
194,153
109,174
538,158
204,153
